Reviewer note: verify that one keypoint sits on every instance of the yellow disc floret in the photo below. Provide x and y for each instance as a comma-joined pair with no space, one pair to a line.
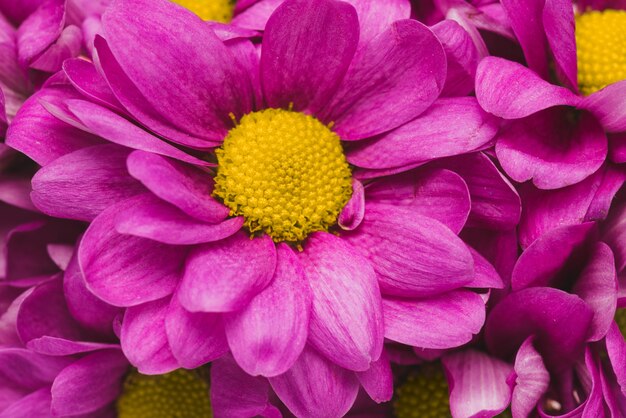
179,394
620,318
285,173
424,394
601,45
217,10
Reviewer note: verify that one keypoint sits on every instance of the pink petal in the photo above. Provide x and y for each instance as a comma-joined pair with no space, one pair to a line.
316,387
144,340
35,404
39,30
616,349
451,126
445,321
378,379
375,17
412,255
531,382
226,275
353,212
346,321
267,336
608,106
478,384
85,78
325,34
194,338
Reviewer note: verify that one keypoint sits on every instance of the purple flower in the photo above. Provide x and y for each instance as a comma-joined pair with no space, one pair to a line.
330,260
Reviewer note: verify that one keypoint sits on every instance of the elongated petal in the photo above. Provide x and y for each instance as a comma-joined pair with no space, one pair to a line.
606,105
616,349
195,338
124,270
144,340
40,30
512,91
390,82
346,320
35,404
209,85
183,186
353,212
478,384
315,387
527,149
444,321
148,216
376,17
225,276
82,184
412,255
268,335
378,379
89,384
307,48
531,380
85,78
451,126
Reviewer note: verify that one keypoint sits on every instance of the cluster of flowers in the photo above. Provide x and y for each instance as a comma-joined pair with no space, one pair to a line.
312,208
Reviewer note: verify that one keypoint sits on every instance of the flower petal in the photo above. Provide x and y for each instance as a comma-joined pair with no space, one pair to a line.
226,275
346,320
616,349
267,336
85,78
39,30
378,379
307,48
531,382
478,384
444,321
353,212
35,404
315,387
375,17
451,126
607,105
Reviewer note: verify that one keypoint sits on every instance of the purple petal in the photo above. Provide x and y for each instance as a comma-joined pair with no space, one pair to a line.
40,30
23,368
390,81
85,78
144,340
607,105
445,321
82,184
36,404
346,321
209,85
597,286
558,21
182,185
147,216
267,336
353,212
527,148
89,384
256,15
531,380
124,270
316,387
486,275
451,126
438,194
478,384
226,275
412,255
378,379
512,91
616,349
194,338
307,48
559,321
234,393
375,17
67,45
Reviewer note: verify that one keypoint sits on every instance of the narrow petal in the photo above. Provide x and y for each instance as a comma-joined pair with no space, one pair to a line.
527,148
267,336
209,86
85,78
378,379
307,48
144,340
194,338
67,45
346,320
375,17
451,126
124,270
531,381
182,185
390,82
353,212
316,387
82,184
40,30
511,91
486,275
478,384
607,105
226,275
89,384
147,216
616,349
35,404
445,321
412,255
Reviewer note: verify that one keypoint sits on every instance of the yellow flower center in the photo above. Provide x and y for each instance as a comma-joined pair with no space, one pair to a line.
601,45
285,172
179,394
217,10
620,318
424,394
